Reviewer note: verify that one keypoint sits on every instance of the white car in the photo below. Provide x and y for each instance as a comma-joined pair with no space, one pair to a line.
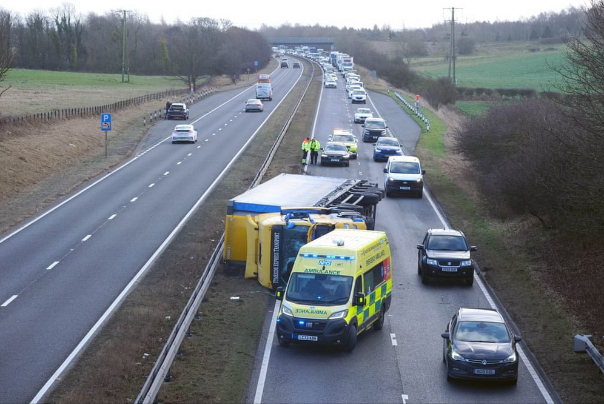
330,83
359,96
362,114
352,88
184,133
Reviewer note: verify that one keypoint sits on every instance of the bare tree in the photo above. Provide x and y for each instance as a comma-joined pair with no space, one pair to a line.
6,46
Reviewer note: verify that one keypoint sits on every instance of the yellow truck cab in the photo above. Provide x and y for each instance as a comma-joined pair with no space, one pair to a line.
271,252
340,286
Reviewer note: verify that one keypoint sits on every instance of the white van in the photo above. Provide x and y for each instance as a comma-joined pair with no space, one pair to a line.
264,91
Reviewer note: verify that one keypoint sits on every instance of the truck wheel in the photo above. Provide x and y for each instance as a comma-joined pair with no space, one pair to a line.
379,323
352,338
370,223
368,198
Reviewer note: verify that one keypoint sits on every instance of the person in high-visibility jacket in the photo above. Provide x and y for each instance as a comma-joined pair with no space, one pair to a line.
305,149
315,146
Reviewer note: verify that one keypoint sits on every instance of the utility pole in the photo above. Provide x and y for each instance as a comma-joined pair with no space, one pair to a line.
452,49
124,44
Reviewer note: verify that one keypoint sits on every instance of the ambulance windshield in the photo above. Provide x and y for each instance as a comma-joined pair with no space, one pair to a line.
319,289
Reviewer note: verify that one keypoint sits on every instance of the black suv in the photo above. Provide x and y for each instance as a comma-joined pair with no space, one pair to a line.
373,128
177,111
445,253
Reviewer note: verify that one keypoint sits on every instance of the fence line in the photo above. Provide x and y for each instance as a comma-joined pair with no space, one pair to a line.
59,114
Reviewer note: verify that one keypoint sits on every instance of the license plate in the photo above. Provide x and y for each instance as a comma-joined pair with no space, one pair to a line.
335,160
405,188
449,269
484,371
308,338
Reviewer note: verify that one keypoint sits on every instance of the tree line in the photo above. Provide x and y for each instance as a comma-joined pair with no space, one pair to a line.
127,42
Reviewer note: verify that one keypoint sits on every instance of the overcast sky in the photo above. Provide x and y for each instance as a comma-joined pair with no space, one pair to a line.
353,14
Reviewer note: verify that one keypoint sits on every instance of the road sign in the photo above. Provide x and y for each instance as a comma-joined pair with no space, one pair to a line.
105,122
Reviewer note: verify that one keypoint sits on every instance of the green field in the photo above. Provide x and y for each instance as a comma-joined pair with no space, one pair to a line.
44,79
524,66
35,91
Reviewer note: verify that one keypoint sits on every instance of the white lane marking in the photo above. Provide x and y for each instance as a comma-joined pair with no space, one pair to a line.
527,363
87,237
267,354
112,216
151,185
393,339
167,172
405,398
6,303
116,303
54,264
189,155
134,199
179,163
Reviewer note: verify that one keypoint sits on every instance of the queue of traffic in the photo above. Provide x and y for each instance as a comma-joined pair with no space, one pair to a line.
335,281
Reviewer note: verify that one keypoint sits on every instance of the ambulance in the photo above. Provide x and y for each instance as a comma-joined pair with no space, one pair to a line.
340,286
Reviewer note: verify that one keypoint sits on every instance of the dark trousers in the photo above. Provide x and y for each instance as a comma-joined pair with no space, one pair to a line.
313,156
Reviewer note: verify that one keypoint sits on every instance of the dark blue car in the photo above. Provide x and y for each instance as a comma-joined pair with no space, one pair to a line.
386,147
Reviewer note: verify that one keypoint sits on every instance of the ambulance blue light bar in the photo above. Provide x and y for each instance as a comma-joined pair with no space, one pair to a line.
328,256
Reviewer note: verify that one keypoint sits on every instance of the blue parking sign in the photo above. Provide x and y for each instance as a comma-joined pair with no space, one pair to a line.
105,122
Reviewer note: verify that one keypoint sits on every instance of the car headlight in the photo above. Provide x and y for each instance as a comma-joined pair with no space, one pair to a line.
419,180
455,356
466,263
286,311
510,359
377,149
431,261
339,314
323,155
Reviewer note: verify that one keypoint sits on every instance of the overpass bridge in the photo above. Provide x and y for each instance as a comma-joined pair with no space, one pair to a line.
326,43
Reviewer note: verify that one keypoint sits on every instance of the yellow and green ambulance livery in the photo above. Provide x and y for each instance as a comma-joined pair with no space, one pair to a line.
340,286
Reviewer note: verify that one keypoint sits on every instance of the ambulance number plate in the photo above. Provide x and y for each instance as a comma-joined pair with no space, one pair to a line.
308,338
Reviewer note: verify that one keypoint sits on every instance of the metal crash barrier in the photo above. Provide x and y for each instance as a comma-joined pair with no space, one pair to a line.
583,343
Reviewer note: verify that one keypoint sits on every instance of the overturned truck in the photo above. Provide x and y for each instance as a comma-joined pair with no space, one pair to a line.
266,226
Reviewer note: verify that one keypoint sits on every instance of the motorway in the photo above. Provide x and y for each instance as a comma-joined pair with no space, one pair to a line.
402,363
66,270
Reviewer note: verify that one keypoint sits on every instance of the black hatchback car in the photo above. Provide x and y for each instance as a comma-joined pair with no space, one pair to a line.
479,344
445,253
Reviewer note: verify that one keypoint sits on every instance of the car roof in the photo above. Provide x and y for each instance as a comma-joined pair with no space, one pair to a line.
403,158
335,143
175,104
183,126
445,232
388,139
476,314
375,120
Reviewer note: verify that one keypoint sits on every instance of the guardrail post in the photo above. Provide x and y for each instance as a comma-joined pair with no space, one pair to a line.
168,375
583,343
